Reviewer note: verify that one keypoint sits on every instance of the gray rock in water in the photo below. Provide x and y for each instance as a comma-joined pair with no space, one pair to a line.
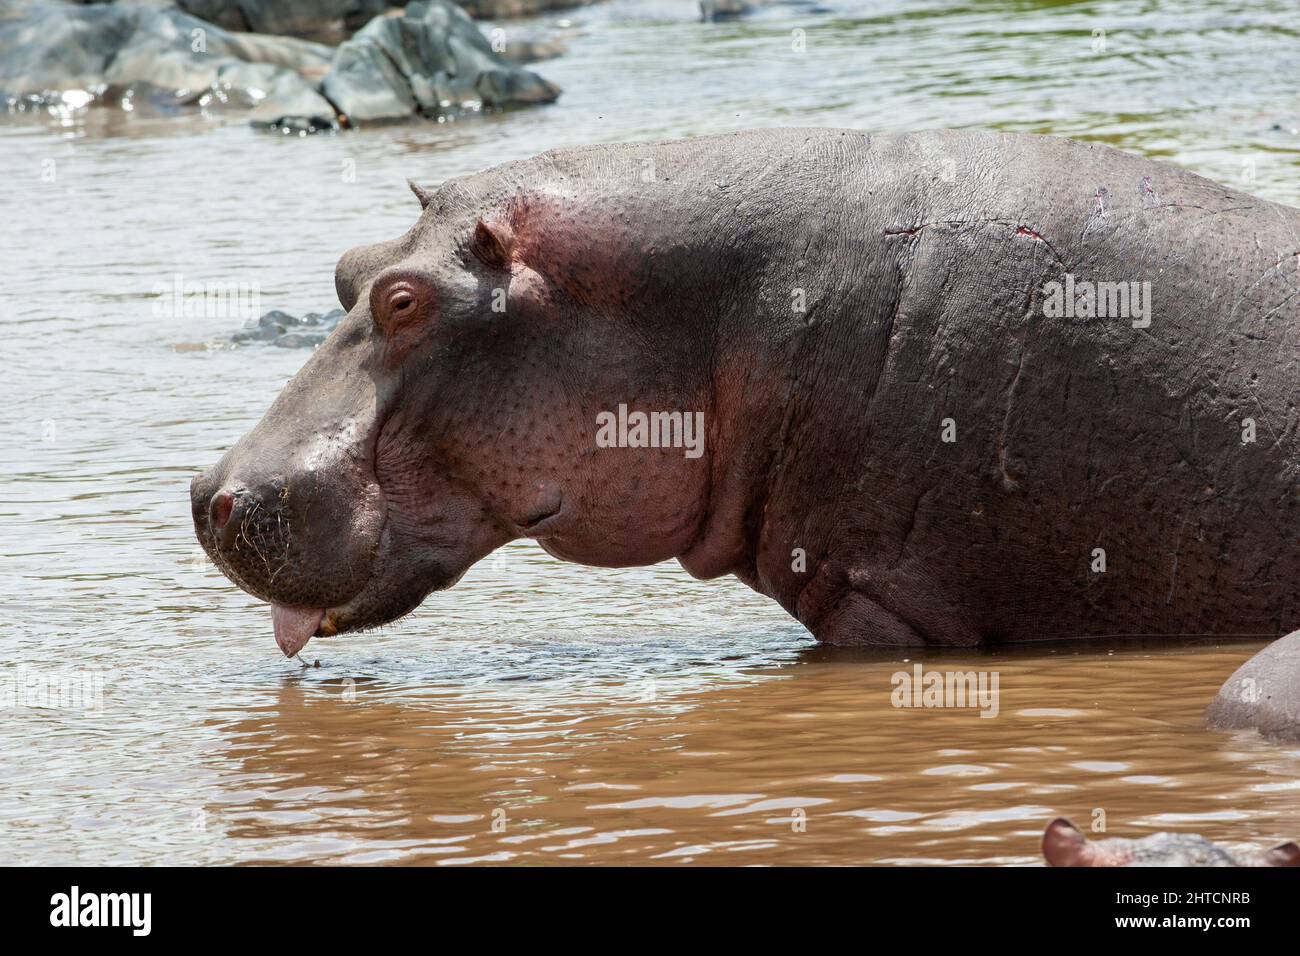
302,17
1263,693
531,51
731,9
431,60
503,87
279,97
499,9
283,330
366,86
49,48
727,9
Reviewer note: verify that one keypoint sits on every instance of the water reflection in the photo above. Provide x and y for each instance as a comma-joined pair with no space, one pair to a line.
807,763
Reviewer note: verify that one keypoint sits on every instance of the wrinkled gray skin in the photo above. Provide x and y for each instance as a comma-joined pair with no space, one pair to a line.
1263,694
1065,845
668,276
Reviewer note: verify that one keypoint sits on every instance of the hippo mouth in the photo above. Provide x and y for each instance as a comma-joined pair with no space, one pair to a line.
405,568
296,622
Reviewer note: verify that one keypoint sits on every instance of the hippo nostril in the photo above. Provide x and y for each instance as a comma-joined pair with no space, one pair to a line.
223,503
226,512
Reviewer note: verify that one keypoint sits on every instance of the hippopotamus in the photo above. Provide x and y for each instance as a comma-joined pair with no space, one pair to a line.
950,388
1262,694
1064,845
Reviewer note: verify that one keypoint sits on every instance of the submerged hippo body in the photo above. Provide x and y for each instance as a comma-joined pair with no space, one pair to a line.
1263,694
907,437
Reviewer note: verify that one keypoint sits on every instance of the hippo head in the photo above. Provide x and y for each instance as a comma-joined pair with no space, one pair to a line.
1065,845
455,408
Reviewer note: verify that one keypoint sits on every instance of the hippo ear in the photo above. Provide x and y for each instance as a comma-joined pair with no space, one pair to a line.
493,244
1064,845
421,194
1284,854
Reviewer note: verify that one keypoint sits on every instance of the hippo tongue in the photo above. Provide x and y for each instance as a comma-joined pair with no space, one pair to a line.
294,626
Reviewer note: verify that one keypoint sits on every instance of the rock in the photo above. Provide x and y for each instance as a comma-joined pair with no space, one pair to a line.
286,331
731,9
1263,693
500,9
304,56
511,86
302,17
727,9
279,97
432,60
50,48
530,51
299,340
56,47
366,86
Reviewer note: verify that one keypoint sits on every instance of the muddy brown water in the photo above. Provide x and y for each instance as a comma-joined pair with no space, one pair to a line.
543,712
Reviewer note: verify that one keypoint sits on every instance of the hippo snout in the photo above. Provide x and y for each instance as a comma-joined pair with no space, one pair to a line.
300,533
231,512
211,507
222,511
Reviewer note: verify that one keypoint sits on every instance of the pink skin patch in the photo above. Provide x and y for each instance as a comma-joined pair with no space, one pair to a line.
294,626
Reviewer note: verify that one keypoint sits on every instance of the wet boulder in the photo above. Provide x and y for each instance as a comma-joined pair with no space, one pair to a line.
727,9
431,60
300,17
731,9
528,50
286,331
500,9
49,48
366,85
1263,694
277,97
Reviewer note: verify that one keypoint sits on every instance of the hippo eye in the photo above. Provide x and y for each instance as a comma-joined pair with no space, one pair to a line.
399,302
